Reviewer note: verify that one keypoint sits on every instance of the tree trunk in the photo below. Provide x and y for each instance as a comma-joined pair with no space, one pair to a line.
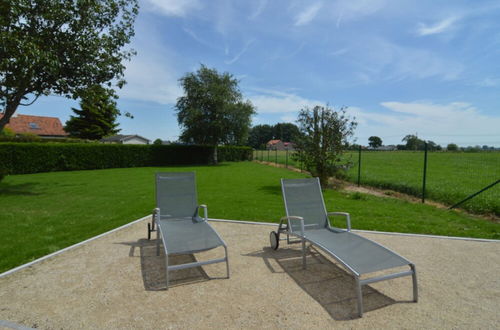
10,109
214,156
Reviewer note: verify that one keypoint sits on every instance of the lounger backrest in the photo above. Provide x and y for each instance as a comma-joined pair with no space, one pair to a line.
176,194
303,198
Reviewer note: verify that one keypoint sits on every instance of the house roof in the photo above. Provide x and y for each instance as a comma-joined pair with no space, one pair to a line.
273,141
39,125
122,138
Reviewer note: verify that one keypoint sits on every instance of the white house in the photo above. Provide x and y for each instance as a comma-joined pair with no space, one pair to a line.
126,139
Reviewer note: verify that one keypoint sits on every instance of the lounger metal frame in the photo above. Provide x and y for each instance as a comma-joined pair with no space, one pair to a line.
286,228
154,226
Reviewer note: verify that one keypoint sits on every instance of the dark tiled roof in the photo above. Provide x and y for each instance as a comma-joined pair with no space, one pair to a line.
43,126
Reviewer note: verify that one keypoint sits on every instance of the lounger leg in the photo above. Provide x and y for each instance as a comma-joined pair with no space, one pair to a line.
303,253
415,286
166,268
158,242
360,297
227,262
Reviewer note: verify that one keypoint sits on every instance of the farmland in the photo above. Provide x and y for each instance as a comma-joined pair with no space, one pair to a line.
451,176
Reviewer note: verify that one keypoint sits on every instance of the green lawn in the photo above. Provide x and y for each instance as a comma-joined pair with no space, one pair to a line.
42,213
451,176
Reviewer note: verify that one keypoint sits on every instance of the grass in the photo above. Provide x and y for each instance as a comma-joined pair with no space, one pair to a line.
451,176
45,212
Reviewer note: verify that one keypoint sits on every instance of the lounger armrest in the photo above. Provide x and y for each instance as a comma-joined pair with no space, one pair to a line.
292,217
347,218
205,211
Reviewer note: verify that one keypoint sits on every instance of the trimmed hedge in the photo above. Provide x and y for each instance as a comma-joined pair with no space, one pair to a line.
23,158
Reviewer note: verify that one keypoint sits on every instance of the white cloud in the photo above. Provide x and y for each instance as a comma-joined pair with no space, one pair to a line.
269,101
308,14
455,122
150,75
439,27
173,7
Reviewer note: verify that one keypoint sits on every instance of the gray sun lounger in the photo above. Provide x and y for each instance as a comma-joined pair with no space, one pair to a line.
307,218
178,224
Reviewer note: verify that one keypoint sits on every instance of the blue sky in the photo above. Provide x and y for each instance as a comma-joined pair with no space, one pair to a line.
401,67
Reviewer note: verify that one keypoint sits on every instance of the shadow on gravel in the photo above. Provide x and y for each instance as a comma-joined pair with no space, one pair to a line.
327,283
153,266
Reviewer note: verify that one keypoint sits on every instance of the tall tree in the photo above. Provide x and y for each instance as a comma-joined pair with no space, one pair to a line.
374,141
97,116
452,147
413,142
286,132
61,47
212,110
259,135
324,137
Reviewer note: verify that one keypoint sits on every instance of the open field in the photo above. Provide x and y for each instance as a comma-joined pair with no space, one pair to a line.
451,176
45,212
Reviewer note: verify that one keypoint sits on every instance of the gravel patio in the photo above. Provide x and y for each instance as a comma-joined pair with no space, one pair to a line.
117,281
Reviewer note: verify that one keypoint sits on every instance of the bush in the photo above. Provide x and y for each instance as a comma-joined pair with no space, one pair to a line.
23,158
7,133
234,154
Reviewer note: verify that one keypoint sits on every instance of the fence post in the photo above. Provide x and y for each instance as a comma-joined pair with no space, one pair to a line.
286,158
300,161
425,173
276,157
268,150
262,155
359,166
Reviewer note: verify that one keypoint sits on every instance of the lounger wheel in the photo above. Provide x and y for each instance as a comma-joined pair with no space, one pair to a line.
274,238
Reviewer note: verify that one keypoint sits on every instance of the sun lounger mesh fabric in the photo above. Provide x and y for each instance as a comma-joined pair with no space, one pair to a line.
176,194
183,232
362,255
303,198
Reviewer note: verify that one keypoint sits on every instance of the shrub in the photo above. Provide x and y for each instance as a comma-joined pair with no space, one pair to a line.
234,154
23,158
6,132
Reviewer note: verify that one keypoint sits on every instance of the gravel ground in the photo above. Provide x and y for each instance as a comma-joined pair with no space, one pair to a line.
117,281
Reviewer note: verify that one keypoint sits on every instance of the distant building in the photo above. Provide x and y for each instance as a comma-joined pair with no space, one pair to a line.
384,148
126,139
44,127
279,145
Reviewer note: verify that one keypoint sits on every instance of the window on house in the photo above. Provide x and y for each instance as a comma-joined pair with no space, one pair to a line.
34,126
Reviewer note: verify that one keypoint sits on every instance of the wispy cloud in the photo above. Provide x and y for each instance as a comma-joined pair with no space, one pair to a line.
348,10
151,75
173,7
271,101
488,82
260,8
378,59
436,28
241,52
200,40
308,14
